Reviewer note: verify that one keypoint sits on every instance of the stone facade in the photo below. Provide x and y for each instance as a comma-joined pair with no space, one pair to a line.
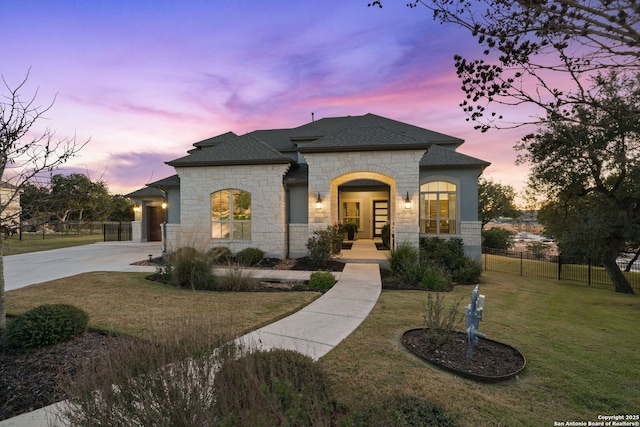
398,169
471,234
264,182
298,237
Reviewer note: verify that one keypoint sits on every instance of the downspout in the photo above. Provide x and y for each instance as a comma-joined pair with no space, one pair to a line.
287,219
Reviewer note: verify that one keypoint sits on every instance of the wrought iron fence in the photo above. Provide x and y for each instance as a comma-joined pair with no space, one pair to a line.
116,231
576,269
54,229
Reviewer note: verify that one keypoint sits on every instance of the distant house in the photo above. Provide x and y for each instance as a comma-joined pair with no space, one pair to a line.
9,203
273,188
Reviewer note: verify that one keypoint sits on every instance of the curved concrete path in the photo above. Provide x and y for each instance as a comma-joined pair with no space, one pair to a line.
321,325
313,331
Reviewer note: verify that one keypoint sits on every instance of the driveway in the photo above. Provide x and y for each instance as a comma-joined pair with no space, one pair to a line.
37,267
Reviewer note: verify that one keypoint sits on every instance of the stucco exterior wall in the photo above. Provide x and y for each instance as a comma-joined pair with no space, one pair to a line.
398,169
264,182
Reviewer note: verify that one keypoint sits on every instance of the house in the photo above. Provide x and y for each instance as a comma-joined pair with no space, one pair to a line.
271,189
9,204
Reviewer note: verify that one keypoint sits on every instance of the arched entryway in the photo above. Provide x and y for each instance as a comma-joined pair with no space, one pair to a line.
366,198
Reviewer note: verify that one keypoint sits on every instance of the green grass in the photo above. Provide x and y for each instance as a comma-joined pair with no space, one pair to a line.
580,344
33,243
128,303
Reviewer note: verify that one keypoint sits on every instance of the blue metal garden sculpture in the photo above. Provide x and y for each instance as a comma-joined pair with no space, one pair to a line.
473,318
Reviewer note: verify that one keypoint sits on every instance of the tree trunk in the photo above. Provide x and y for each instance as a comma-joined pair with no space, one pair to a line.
3,309
620,282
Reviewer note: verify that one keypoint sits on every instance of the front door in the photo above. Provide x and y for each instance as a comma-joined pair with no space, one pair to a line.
155,217
380,216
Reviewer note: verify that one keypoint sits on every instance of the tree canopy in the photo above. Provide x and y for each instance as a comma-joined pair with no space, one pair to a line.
588,166
539,52
74,197
495,200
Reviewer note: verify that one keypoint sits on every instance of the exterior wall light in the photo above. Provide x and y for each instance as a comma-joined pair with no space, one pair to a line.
407,202
164,205
137,208
319,202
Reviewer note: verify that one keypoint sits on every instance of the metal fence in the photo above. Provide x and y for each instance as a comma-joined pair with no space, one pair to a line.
52,229
116,231
110,231
576,269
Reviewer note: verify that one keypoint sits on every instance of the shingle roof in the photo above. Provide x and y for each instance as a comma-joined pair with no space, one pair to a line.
363,139
245,150
171,181
335,134
145,192
209,142
330,125
440,156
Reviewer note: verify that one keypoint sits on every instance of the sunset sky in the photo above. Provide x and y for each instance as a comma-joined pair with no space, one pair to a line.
146,79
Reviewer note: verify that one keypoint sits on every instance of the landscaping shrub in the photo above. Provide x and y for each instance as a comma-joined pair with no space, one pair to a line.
404,262
321,280
336,233
467,271
497,238
319,248
237,280
166,381
45,325
250,257
386,235
440,322
191,268
445,252
272,388
219,255
434,277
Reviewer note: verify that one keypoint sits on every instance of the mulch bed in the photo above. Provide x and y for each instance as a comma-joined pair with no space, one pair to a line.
33,378
491,361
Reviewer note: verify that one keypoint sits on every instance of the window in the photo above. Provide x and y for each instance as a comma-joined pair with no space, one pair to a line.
438,208
231,215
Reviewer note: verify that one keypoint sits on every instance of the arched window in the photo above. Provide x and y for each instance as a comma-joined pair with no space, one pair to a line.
231,215
438,208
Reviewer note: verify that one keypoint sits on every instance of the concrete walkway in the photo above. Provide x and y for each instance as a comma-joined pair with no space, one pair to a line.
314,330
321,325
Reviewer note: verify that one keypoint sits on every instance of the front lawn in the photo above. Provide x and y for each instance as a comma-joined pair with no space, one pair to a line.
128,303
581,346
580,343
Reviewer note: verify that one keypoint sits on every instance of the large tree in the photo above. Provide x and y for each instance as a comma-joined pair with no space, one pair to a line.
26,152
540,53
495,200
76,197
588,165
